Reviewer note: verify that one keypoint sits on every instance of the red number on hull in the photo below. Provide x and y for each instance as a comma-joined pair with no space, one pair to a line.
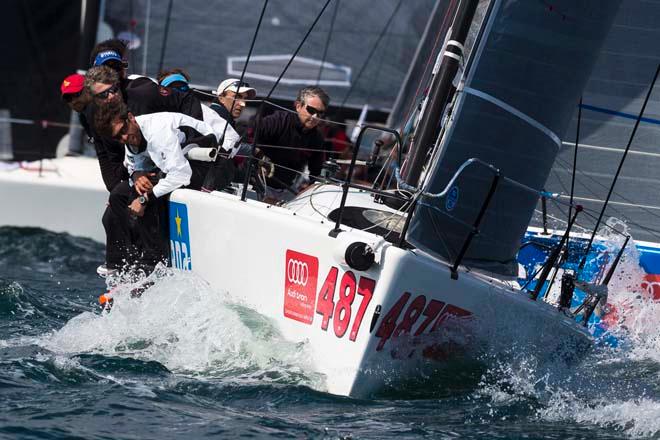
431,311
388,324
366,289
410,317
436,313
342,314
325,304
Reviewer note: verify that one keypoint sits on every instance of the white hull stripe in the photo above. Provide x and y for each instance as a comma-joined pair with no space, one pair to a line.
504,106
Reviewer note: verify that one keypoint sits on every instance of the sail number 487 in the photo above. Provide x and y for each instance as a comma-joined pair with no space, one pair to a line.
338,308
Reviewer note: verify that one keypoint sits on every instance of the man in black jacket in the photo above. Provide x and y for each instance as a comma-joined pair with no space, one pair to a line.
293,130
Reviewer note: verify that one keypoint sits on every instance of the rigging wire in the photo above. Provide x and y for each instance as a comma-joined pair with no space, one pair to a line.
208,179
625,154
620,213
371,52
295,53
327,41
165,35
248,171
577,142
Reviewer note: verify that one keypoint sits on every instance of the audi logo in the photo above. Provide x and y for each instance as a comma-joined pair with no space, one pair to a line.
297,272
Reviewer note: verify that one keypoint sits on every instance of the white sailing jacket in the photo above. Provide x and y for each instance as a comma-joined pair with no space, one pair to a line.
218,124
163,137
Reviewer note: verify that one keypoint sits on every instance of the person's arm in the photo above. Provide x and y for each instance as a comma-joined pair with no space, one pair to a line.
160,131
111,163
267,129
225,133
169,158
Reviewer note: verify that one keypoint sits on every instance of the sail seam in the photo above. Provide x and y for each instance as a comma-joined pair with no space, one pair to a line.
514,111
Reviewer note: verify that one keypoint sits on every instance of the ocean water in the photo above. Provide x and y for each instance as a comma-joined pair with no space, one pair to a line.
186,361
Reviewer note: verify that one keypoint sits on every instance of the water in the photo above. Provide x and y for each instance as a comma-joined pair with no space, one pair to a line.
186,360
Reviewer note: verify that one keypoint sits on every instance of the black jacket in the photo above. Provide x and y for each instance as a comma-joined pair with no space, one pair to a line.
143,96
285,129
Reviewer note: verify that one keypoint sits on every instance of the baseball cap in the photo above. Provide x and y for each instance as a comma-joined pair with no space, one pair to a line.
105,56
177,81
72,84
231,84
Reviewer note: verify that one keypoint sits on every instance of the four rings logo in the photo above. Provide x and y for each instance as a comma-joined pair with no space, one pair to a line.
301,273
297,272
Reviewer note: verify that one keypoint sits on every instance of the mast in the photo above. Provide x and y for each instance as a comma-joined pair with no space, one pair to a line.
441,90
417,70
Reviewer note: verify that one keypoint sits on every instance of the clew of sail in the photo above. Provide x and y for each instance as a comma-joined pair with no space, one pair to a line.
517,98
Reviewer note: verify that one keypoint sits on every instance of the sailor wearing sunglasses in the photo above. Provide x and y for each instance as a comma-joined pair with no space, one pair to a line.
301,138
153,144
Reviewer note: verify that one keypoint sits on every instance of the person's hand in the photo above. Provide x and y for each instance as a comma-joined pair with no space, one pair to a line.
143,185
267,166
136,208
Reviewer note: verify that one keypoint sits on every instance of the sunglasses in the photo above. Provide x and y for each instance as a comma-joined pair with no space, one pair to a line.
104,94
237,84
183,88
116,65
314,111
68,97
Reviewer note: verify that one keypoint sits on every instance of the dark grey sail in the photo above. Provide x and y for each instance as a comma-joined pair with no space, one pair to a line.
523,82
612,99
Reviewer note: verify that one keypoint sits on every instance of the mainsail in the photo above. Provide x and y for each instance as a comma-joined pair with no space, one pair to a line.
523,82
612,100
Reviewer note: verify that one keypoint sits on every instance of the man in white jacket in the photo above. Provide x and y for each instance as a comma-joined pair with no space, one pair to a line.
153,145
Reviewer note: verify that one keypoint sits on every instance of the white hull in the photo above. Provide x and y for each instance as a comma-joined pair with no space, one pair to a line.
68,196
248,249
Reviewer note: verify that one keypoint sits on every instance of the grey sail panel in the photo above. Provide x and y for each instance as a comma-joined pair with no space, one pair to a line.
612,99
524,81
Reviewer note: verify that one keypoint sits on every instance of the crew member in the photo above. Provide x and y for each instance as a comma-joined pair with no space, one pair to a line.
141,96
77,98
293,130
176,79
152,143
231,99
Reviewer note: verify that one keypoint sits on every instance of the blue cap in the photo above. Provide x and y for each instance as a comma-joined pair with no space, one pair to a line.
169,79
105,56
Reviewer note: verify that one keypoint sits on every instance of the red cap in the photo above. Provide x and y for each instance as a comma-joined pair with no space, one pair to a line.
72,84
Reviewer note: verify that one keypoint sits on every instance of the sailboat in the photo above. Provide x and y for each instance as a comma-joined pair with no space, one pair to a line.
374,290
382,285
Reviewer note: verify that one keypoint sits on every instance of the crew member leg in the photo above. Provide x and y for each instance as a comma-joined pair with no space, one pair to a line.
119,243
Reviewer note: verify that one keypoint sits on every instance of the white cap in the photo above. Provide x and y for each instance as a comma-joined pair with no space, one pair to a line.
231,84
